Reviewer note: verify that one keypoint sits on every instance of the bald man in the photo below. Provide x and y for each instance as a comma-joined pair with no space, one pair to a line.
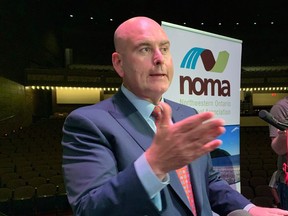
116,161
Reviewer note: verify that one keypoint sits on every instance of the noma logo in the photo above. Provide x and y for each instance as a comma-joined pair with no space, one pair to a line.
191,58
207,86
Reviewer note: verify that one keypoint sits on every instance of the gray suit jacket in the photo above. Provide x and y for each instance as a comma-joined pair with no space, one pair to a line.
100,144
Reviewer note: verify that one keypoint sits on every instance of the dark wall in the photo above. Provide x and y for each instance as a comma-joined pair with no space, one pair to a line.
30,36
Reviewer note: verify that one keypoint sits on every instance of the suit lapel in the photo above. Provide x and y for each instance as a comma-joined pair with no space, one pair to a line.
177,187
197,182
127,115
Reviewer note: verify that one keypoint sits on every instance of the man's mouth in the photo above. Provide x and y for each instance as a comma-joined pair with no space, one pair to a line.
158,75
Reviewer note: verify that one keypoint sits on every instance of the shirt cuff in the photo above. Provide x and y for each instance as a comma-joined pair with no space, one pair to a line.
149,180
248,207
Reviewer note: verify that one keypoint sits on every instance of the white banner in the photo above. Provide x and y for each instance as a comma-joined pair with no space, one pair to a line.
207,70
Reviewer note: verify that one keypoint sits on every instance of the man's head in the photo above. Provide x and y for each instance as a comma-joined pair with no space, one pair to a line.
142,57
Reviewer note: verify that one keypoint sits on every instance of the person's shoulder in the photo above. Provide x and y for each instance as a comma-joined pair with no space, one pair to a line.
285,100
280,104
282,101
97,107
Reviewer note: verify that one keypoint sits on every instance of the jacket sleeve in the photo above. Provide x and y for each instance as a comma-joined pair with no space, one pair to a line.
223,198
94,184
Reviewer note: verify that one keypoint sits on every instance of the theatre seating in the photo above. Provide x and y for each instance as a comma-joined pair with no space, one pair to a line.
36,151
257,164
263,201
247,191
31,181
6,200
23,200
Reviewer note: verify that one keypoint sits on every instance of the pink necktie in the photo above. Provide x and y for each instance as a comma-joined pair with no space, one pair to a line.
156,113
183,173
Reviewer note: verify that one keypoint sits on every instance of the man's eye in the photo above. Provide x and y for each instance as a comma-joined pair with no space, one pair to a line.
145,49
164,50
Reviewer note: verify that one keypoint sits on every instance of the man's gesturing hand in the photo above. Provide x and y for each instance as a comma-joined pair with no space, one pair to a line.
176,145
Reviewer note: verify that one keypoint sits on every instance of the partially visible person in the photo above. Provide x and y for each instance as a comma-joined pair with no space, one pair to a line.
117,162
280,112
273,184
279,144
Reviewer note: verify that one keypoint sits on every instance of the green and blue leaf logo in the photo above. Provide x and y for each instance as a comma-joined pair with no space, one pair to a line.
210,64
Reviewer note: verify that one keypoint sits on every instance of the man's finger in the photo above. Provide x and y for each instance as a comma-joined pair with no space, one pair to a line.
195,121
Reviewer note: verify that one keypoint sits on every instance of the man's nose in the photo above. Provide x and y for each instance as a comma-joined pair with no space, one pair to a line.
158,57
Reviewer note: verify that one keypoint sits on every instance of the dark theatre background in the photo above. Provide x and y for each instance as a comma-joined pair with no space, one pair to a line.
53,50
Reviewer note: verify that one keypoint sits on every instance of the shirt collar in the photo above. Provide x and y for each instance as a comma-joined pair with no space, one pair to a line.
144,107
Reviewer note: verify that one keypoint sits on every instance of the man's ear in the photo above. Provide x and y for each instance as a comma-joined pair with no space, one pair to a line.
117,63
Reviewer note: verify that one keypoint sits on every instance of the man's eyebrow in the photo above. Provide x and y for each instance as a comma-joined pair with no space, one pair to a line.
165,43
147,43
144,43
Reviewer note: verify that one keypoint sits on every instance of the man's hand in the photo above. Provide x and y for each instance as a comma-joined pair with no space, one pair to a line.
176,145
261,211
